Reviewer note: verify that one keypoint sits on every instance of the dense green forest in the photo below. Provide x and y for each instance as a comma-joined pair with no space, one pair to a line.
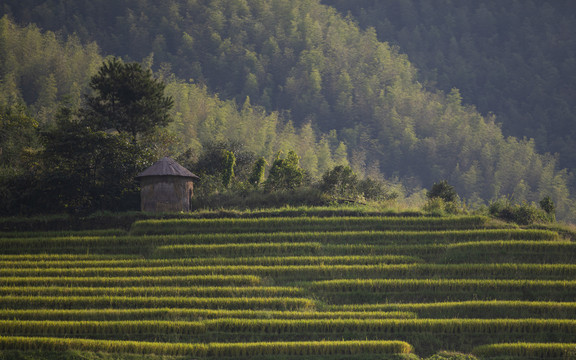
51,77
515,58
270,75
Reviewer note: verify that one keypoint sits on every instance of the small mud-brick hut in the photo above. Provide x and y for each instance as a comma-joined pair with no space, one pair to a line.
166,186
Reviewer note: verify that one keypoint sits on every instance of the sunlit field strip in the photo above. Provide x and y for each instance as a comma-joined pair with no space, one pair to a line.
216,350
311,272
132,302
191,314
344,285
39,258
48,244
516,251
260,260
473,309
63,233
484,251
278,326
99,281
527,350
212,291
304,224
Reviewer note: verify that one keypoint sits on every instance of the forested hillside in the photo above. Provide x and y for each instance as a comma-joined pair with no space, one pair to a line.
514,58
43,73
295,60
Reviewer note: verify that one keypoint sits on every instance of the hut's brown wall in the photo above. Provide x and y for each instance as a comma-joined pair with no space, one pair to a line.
166,193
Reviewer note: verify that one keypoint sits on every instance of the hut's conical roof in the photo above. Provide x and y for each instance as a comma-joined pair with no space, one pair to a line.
166,167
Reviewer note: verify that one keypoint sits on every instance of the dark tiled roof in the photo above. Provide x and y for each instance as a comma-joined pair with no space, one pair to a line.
166,167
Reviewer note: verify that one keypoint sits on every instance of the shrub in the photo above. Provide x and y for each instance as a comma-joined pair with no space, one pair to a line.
376,190
228,173
444,191
522,214
438,206
340,183
548,206
257,174
442,199
446,355
285,174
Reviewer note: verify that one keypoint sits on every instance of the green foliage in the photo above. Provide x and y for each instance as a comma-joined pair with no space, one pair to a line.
20,145
127,98
507,58
442,199
83,168
257,174
99,175
448,355
228,173
43,70
376,190
522,214
285,173
255,199
215,160
340,183
18,137
439,207
313,67
548,206
444,191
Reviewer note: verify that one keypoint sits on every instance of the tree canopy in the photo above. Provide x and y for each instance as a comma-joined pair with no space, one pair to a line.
127,98
280,75
513,58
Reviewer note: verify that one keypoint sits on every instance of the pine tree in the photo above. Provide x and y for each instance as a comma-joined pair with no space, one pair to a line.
127,99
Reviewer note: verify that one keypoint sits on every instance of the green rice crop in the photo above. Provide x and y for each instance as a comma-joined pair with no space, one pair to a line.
311,272
100,281
493,251
144,244
278,279
279,326
63,233
210,291
260,249
217,350
191,314
376,285
197,226
125,302
509,251
424,290
258,260
473,309
39,258
527,350
111,346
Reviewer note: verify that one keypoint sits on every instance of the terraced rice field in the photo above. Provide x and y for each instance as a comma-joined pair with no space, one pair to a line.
302,287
